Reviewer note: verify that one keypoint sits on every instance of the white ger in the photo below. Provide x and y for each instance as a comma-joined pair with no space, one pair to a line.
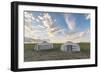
70,47
43,46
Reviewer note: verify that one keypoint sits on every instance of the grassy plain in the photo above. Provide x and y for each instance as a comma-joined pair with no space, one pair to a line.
55,54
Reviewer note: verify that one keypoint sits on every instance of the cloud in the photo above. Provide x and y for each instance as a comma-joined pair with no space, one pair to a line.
29,28
88,16
49,24
40,26
74,35
47,21
81,35
55,20
33,18
45,28
28,17
40,17
70,21
28,32
84,33
28,14
37,20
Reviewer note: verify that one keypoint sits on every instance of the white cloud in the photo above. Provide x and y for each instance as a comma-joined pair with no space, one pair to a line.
28,32
28,18
83,36
70,21
84,33
49,24
27,14
41,26
49,30
47,21
74,35
55,20
40,17
37,20
88,16
29,29
33,18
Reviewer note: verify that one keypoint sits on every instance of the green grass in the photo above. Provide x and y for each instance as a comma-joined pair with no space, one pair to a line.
85,47
55,54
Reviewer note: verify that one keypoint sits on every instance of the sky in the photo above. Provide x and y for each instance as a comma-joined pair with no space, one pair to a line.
56,27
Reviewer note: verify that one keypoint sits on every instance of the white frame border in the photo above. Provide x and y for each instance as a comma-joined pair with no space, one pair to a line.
22,64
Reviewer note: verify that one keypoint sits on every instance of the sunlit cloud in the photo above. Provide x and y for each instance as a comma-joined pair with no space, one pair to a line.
49,24
41,27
